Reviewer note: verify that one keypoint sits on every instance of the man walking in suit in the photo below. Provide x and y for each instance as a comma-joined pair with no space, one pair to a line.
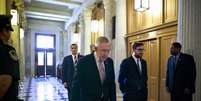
69,63
95,75
181,74
133,75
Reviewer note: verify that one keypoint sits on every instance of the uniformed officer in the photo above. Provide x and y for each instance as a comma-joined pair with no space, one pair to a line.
9,65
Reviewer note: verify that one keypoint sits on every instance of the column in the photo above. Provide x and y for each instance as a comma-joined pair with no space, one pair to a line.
109,13
22,58
65,43
82,34
189,34
61,46
27,43
108,17
87,26
32,51
120,42
20,5
70,37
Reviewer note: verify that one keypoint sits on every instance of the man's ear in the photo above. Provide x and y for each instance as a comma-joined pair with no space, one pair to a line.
179,49
95,48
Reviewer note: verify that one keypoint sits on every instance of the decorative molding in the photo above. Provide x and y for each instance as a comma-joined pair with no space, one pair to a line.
174,23
75,15
189,23
170,10
69,4
154,34
46,16
98,11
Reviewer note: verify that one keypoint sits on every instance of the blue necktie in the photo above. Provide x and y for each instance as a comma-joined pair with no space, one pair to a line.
172,70
174,62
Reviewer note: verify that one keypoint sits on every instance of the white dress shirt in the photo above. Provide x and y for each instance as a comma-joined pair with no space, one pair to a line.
74,58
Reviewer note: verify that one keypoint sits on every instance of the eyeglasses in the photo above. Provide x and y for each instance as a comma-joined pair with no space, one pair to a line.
140,49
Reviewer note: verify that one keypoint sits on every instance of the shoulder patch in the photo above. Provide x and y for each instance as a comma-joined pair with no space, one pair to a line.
13,55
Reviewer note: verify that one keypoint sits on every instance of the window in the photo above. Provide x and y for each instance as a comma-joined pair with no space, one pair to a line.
41,58
45,42
49,58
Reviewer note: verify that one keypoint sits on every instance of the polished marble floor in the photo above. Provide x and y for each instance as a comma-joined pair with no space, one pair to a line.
43,89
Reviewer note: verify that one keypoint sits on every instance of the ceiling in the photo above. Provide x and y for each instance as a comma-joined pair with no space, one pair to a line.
55,10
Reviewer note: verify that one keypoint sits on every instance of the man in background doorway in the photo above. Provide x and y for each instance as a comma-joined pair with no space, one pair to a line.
69,67
133,75
181,74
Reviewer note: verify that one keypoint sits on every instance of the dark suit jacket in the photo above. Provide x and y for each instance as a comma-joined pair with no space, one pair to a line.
68,68
184,74
132,84
88,79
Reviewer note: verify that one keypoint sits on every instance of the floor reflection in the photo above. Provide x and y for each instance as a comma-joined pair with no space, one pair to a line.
43,89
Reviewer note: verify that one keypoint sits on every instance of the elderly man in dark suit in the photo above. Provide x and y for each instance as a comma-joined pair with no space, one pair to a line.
69,63
95,75
133,75
181,74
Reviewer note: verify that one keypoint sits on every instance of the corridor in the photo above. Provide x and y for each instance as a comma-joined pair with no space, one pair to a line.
43,89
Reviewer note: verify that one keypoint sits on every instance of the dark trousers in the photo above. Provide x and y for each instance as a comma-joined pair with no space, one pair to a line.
69,88
181,97
103,99
137,96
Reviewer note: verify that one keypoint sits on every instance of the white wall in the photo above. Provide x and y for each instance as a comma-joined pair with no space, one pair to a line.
120,52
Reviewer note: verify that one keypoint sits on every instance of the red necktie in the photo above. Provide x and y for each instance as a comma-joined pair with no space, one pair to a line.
101,70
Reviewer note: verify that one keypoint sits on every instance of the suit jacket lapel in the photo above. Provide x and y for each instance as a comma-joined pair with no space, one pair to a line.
143,66
71,60
71,63
106,70
178,61
79,56
96,69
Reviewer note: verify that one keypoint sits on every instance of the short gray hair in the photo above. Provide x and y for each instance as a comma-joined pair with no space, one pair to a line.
101,39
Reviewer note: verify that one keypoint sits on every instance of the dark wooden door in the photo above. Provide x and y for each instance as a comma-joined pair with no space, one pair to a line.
45,55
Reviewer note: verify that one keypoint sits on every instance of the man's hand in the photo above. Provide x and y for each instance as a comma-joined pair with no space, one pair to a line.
5,83
167,89
65,84
187,91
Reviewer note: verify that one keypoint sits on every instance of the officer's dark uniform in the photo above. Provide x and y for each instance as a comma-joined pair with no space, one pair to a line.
9,63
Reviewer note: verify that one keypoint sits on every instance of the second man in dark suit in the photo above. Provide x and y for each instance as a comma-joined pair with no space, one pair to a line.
181,74
69,63
95,75
133,76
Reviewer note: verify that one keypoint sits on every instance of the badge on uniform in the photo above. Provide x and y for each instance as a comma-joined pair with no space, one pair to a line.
13,55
